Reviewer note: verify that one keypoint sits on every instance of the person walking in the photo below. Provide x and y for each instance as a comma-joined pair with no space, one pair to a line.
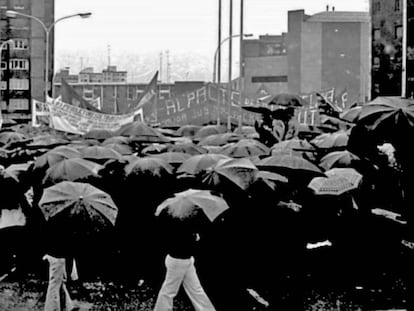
181,243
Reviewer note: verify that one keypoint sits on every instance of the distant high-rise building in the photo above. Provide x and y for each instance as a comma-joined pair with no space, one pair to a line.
23,63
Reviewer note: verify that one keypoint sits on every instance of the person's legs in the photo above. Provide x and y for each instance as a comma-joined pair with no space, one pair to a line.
176,269
195,291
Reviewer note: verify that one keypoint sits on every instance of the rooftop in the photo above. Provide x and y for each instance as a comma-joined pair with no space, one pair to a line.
339,16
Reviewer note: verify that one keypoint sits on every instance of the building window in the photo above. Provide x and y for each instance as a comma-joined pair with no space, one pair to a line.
376,62
130,92
21,44
18,104
139,93
398,32
270,79
19,64
19,84
397,5
3,65
164,94
377,34
376,7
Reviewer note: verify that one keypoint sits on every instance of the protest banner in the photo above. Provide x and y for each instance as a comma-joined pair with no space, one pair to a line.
68,118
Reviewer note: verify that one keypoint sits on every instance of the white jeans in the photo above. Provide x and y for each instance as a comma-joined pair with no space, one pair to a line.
182,271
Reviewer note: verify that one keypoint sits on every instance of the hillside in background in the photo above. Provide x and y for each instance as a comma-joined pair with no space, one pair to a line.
141,67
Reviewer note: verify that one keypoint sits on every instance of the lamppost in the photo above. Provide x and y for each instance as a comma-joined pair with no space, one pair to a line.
10,13
247,35
3,44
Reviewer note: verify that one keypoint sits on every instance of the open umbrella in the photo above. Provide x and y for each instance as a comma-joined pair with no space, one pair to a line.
210,130
116,140
338,159
154,149
99,153
239,171
219,139
330,140
99,134
388,113
198,163
17,170
258,109
122,149
289,166
245,148
246,131
72,170
148,166
188,148
8,137
338,182
185,204
81,205
172,157
56,155
47,141
141,132
293,146
286,100
188,130
351,114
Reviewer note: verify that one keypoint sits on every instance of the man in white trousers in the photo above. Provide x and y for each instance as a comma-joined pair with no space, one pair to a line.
181,244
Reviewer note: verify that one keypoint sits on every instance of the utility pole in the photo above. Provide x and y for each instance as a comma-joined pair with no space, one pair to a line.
219,63
241,63
230,64
168,65
160,77
109,55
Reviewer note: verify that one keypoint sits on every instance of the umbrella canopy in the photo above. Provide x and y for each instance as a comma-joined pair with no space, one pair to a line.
352,114
72,170
46,141
338,159
148,165
154,149
188,130
99,153
388,112
17,170
198,163
8,137
286,100
141,132
338,182
188,148
210,130
79,203
245,148
172,157
122,149
56,155
239,171
292,146
99,134
330,140
258,109
184,204
219,139
289,165
247,131
116,140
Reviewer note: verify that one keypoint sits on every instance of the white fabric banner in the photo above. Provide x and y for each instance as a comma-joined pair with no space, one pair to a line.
68,118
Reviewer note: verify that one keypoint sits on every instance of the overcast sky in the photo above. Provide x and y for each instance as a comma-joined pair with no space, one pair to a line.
177,25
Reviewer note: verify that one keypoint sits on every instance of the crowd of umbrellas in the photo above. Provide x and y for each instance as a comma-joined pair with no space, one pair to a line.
119,181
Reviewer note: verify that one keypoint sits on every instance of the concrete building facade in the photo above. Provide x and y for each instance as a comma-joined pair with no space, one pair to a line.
323,51
23,63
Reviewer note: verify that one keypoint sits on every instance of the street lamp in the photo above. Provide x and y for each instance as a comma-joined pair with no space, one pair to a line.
3,44
247,35
12,14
